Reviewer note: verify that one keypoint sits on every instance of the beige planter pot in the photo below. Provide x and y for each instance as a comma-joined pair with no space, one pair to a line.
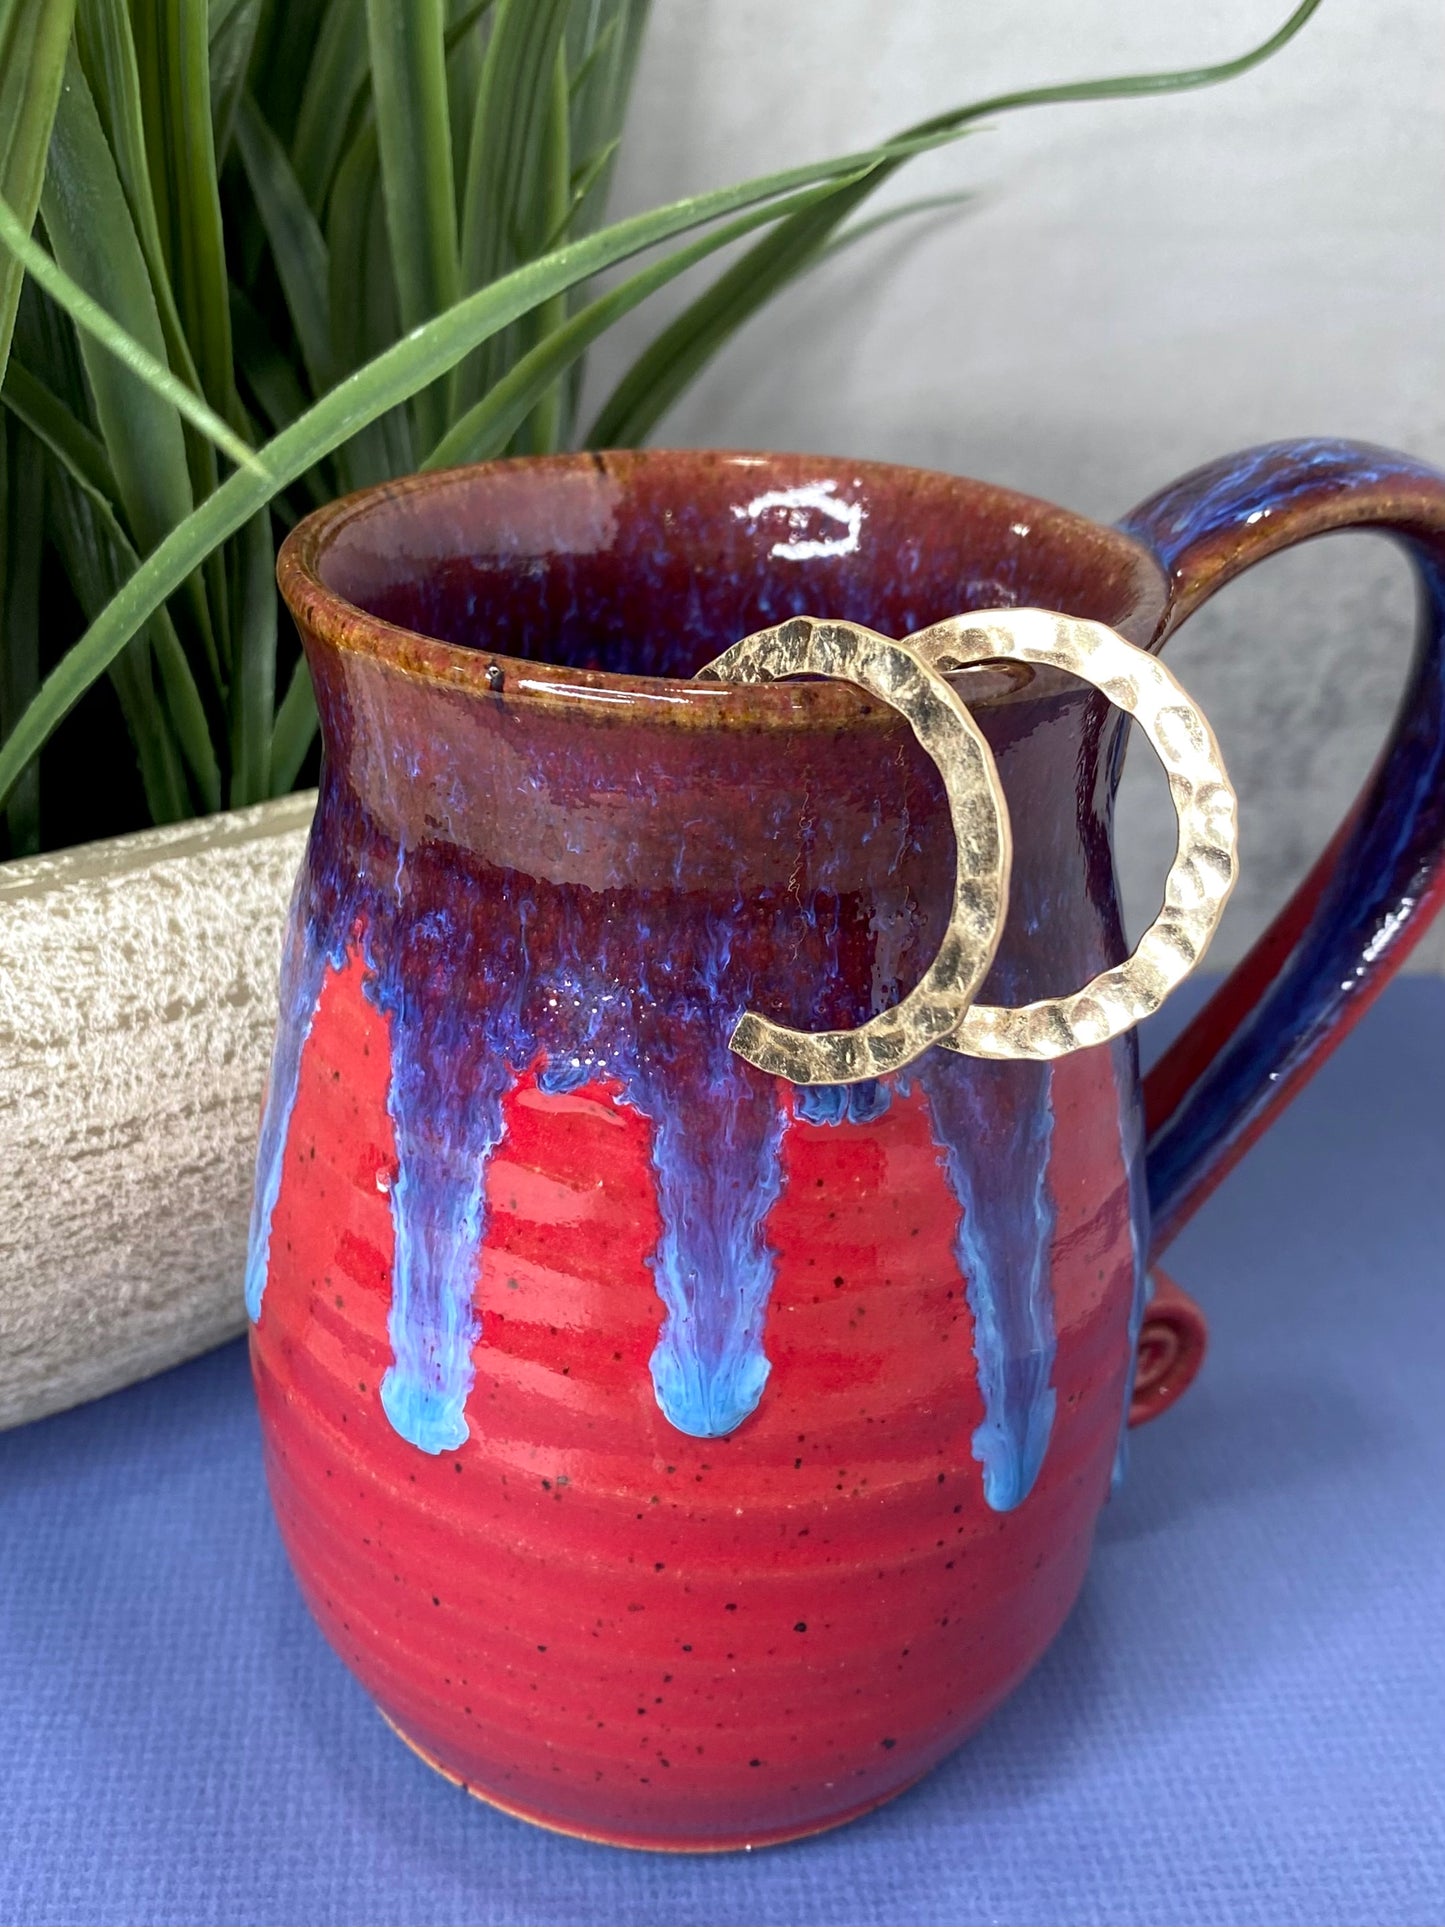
137,1001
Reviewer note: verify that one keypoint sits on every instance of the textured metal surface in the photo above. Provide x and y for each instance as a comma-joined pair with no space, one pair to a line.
137,1007
938,718
1205,859
939,1009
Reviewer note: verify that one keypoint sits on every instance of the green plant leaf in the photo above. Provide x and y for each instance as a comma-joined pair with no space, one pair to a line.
105,45
47,417
134,683
186,711
590,40
81,457
363,306
269,374
677,356
413,362
893,217
464,18
46,342
99,277
409,89
34,35
107,53
96,247
420,358
173,54
221,18
285,35
543,430
338,91
22,522
486,428
464,76
605,40
364,314
584,179
297,245
349,226
253,687
510,201
337,80
106,48
295,730
232,36
94,570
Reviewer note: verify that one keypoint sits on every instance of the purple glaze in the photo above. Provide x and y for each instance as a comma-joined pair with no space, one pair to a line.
543,875
570,889
1124,1052
452,1062
1004,1239
1004,1244
478,988
718,1130
1289,1004
475,996
311,943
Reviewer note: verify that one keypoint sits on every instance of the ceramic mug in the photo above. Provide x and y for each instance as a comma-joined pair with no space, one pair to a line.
680,1457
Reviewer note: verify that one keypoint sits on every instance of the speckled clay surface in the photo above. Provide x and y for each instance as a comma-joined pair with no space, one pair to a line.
680,1459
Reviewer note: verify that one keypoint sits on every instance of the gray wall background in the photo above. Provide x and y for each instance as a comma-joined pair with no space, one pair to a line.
1133,288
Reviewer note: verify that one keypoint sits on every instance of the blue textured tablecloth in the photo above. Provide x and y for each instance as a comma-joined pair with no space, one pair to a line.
1243,1721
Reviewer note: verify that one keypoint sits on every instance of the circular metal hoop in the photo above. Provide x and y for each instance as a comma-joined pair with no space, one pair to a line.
936,1004
1205,858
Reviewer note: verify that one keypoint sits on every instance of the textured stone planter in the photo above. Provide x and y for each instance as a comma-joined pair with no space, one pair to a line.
137,1004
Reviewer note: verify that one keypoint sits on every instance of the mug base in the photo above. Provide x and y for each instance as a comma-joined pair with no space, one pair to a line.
642,1843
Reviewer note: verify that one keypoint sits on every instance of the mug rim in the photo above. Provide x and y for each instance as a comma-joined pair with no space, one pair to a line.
343,626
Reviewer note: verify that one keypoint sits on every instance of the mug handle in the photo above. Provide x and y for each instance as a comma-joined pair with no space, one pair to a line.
1368,900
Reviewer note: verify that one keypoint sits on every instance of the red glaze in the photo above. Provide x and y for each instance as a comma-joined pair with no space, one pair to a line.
581,1611
1172,1342
627,1633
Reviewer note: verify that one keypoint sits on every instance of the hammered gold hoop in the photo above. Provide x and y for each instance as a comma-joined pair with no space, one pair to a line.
1205,859
933,1009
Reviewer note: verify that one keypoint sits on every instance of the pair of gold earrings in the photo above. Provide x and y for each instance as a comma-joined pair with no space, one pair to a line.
911,677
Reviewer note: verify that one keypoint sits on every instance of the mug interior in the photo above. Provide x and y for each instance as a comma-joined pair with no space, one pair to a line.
646,564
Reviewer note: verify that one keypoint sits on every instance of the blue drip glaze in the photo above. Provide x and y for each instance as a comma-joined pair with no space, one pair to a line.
449,1074
842,1103
717,1152
713,1267
472,1002
538,976
303,971
994,1124
1125,1055
471,1007
485,976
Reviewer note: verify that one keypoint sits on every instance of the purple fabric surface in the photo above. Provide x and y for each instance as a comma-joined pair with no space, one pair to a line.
1244,1721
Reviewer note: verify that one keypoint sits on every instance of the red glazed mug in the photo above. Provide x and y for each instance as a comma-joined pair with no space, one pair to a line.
681,1458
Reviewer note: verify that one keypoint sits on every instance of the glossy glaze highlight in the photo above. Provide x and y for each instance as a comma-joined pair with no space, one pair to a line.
547,868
